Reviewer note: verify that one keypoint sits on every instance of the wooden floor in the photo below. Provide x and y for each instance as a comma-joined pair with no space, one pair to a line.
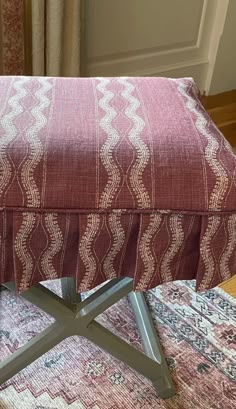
229,286
222,109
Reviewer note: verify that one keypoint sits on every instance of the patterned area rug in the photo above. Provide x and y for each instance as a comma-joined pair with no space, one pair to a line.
198,334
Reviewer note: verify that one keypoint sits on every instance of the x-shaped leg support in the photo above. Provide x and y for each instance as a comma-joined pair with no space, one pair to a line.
76,317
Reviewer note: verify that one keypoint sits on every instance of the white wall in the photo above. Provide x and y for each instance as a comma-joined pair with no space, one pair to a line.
173,38
126,27
224,76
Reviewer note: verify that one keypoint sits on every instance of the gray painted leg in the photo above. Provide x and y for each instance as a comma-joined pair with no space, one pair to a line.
106,298
164,386
29,352
68,288
106,287
76,320
130,356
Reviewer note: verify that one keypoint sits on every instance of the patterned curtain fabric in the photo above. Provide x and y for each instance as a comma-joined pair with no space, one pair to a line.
40,37
11,37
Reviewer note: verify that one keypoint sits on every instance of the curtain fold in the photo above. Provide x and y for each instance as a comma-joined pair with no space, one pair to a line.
40,37
56,37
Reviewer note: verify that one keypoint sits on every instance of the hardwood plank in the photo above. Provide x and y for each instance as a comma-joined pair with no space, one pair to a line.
229,131
229,286
224,98
222,114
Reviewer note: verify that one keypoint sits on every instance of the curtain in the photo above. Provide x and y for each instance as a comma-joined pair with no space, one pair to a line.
11,37
40,37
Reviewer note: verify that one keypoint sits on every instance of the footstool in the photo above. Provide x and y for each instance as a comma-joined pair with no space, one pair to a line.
124,182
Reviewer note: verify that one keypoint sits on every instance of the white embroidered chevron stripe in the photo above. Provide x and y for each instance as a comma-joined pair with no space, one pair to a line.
229,248
106,152
35,145
143,154
145,250
10,130
56,243
119,238
21,249
206,252
177,239
221,185
85,251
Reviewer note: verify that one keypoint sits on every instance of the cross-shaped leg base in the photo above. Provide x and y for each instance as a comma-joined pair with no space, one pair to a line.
76,317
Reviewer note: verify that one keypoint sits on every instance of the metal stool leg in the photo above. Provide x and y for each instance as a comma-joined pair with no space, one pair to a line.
32,350
164,385
79,320
68,288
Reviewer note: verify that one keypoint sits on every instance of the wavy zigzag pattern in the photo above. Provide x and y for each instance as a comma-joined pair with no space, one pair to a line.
32,191
56,243
35,145
86,253
118,241
231,245
221,185
143,154
7,123
206,252
177,239
145,250
106,152
21,249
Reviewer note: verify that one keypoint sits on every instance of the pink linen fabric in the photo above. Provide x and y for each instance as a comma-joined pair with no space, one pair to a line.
111,177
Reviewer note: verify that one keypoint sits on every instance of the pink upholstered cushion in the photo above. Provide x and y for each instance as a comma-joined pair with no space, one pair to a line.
133,143
102,177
